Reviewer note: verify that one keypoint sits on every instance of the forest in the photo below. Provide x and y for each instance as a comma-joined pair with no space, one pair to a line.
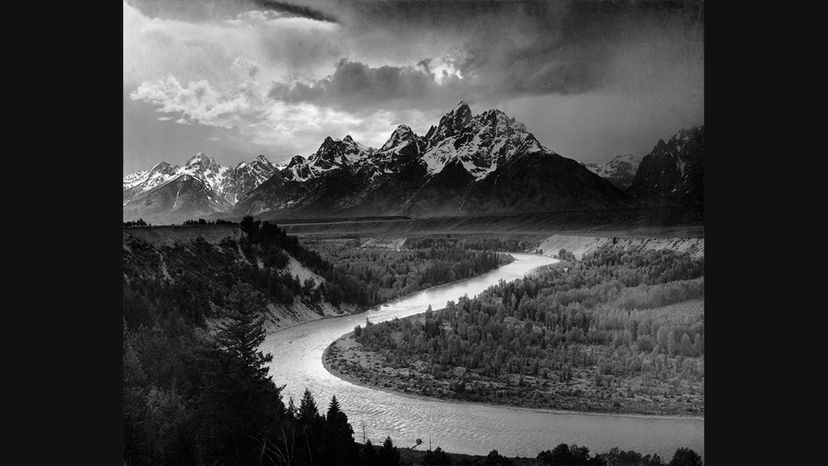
466,242
378,274
616,331
191,397
196,389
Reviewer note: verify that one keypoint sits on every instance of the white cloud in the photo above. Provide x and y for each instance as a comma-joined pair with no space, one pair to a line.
293,128
214,73
281,47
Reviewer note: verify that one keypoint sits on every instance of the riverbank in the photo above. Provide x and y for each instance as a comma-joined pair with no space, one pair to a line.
346,359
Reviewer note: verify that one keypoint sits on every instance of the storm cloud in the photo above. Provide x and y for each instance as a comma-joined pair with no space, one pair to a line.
503,50
590,79
206,10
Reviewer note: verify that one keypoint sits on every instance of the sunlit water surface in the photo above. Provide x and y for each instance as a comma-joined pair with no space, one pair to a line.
459,427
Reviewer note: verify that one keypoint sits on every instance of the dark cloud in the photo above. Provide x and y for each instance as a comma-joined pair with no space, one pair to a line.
299,10
590,78
202,10
506,50
355,83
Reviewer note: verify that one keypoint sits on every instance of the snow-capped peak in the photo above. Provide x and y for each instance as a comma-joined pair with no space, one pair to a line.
200,158
262,159
353,148
401,137
620,170
229,183
480,143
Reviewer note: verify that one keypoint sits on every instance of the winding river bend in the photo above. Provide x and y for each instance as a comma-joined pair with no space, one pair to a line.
459,427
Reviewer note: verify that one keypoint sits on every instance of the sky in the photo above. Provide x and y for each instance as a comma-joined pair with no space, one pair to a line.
237,78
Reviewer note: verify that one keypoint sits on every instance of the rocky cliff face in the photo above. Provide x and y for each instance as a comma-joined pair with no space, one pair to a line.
673,172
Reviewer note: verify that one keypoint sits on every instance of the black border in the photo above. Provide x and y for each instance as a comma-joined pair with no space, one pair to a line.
72,403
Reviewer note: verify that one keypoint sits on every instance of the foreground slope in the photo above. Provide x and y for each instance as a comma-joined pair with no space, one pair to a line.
199,267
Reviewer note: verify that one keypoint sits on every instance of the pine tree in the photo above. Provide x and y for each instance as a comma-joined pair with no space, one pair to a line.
388,454
307,409
339,436
240,406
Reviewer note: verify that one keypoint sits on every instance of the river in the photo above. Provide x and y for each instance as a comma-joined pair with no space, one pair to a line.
459,427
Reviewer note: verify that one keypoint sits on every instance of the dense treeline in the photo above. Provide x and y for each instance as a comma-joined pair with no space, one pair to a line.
561,455
573,455
603,317
488,244
200,394
192,280
372,275
201,221
195,395
194,398
136,223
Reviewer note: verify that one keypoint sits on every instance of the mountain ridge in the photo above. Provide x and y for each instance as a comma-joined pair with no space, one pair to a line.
467,164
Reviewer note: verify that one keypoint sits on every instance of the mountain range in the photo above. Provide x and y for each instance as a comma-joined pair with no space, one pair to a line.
172,193
465,165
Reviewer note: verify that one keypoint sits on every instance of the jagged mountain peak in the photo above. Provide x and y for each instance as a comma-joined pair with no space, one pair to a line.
202,159
333,154
401,137
259,163
295,160
162,166
262,159
202,176
461,111
333,147
673,172
480,142
451,123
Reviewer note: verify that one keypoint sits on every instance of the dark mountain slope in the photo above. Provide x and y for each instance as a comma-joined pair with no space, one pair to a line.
673,172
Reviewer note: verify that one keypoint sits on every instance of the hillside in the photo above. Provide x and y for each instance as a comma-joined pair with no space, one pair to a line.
580,245
193,270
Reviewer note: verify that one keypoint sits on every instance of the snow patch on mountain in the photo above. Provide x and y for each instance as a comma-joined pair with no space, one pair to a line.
620,170
480,143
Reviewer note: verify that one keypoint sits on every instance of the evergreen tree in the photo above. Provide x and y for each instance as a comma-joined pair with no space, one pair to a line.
686,457
240,407
339,436
307,409
388,454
